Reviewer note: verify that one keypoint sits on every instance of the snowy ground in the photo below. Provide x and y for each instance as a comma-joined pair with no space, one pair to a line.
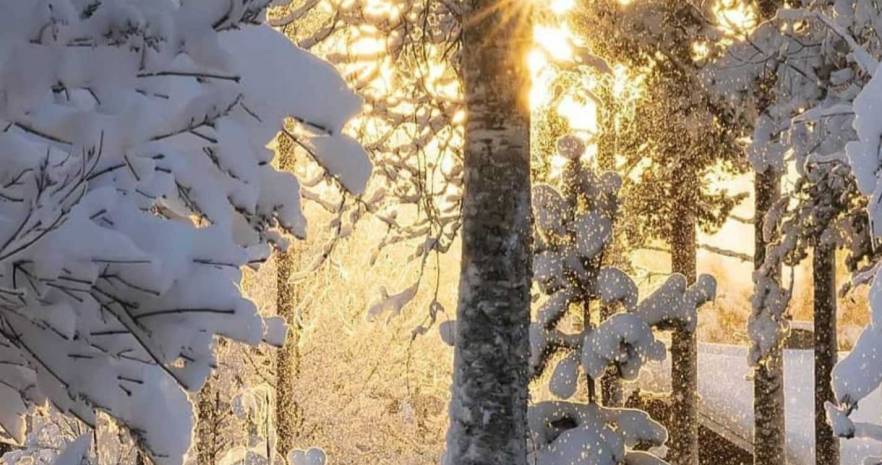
727,401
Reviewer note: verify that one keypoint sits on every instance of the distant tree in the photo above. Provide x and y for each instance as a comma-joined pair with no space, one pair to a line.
754,98
775,77
858,373
683,137
488,424
574,229
136,183
403,59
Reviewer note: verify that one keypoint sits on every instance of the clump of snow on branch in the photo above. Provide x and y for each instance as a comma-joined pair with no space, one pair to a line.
402,58
573,229
136,183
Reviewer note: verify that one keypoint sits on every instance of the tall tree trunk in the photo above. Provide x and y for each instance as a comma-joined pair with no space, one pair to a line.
287,411
288,416
768,381
208,440
490,387
824,277
684,353
612,394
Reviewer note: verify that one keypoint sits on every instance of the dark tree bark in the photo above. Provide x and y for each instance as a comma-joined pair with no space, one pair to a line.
611,392
287,414
684,353
768,381
824,278
287,411
490,387
209,442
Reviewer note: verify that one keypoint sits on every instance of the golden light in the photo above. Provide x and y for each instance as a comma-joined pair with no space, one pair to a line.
459,117
561,7
381,9
557,42
581,116
735,17
700,50
542,75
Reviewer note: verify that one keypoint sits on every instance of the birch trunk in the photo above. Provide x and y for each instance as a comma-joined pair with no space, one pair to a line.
824,277
684,353
768,381
490,387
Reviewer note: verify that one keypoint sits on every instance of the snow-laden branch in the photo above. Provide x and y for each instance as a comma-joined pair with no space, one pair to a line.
135,184
574,229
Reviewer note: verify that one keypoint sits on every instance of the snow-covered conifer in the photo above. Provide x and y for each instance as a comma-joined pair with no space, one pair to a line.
573,228
800,98
859,373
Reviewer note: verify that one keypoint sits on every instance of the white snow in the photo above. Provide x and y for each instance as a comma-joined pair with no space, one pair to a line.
136,182
726,400
74,453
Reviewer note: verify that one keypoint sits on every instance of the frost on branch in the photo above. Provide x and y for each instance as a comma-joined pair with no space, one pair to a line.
135,184
573,230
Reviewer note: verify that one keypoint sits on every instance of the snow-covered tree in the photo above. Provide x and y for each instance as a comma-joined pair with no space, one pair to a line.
574,227
488,409
403,59
798,61
683,138
859,373
136,184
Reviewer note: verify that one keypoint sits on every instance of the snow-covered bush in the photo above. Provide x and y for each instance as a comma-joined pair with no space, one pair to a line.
574,227
135,183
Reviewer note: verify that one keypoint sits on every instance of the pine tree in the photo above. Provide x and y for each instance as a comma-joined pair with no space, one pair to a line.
574,230
488,424
768,381
139,196
683,135
776,77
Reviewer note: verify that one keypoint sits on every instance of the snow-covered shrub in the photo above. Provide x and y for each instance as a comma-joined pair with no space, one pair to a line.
135,183
574,227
